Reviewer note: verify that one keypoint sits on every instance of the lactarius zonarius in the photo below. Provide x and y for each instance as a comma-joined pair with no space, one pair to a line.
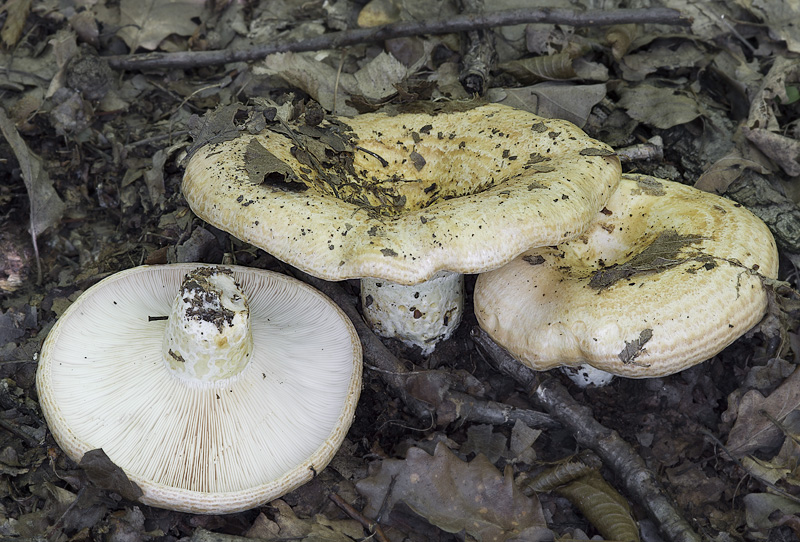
406,202
666,277
214,393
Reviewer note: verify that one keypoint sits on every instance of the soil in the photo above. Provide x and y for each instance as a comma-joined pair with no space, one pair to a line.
110,144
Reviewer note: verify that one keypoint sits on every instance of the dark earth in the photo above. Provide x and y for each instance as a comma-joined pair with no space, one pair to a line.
92,159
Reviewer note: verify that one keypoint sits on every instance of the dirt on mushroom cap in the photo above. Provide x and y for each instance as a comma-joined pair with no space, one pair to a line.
403,196
665,278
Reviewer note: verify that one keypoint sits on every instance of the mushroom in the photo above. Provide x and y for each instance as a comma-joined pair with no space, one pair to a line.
665,278
214,393
398,200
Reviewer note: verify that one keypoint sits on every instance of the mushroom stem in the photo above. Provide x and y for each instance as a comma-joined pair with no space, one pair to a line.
585,375
207,337
418,315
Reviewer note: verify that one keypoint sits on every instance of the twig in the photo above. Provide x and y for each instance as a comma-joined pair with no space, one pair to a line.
457,23
650,151
639,481
479,53
401,378
370,526
11,428
503,361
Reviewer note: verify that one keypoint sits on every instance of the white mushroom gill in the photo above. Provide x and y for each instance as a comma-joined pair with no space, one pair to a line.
203,446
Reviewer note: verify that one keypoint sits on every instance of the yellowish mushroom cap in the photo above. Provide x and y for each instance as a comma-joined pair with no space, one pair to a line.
200,431
401,197
666,277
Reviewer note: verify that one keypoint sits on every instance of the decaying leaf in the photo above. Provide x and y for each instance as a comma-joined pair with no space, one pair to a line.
660,56
17,11
620,37
765,511
603,506
213,127
553,99
288,526
541,68
658,106
46,205
753,429
724,171
780,18
635,347
694,487
785,151
660,254
455,496
146,23
579,481
106,475
264,167
375,81
481,439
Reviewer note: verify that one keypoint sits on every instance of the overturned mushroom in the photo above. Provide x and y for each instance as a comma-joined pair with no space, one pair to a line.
398,200
666,277
214,393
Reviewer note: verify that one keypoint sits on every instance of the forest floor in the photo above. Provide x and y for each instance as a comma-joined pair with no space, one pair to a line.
92,160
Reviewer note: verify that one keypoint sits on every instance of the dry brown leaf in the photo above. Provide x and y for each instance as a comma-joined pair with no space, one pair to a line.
554,100
541,68
105,474
17,11
620,37
662,56
658,106
785,151
753,429
724,171
46,205
454,495
145,24
375,81
781,18
765,511
318,528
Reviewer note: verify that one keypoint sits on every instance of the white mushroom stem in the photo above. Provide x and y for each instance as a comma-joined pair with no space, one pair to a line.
418,315
207,337
585,375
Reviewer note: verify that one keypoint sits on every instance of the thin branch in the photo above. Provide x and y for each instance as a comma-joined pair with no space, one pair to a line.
639,481
372,527
458,23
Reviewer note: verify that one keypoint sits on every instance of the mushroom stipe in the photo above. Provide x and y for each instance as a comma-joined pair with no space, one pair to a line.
245,391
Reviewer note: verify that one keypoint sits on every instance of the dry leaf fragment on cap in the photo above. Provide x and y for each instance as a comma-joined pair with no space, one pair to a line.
666,277
214,389
405,199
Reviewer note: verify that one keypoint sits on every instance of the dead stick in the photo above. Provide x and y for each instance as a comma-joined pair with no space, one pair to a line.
457,23
371,526
639,481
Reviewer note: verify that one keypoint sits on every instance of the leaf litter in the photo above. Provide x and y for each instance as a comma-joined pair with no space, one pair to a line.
473,497
91,166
